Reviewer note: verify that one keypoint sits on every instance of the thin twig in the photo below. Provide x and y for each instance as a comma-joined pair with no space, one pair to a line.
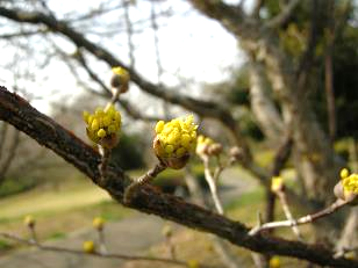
285,14
283,200
303,220
102,241
105,154
212,185
146,178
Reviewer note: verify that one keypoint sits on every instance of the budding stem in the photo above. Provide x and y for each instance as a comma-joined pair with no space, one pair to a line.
144,179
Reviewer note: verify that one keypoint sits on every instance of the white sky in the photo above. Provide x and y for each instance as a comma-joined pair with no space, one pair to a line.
191,46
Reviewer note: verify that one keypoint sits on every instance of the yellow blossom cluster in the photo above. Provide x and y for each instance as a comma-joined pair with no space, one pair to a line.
103,126
175,139
349,181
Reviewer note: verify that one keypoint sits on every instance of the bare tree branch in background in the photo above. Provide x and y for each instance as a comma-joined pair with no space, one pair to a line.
257,8
285,14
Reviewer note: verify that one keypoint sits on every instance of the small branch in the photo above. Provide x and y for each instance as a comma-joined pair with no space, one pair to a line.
102,241
257,7
10,155
96,254
303,220
129,31
282,197
285,14
146,178
213,185
105,154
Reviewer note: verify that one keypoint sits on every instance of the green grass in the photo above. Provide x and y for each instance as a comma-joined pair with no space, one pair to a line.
59,210
50,201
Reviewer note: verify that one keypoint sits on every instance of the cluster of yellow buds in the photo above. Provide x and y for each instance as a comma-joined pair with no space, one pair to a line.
175,141
98,223
347,188
206,146
103,127
89,247
349,181
277,184
120,79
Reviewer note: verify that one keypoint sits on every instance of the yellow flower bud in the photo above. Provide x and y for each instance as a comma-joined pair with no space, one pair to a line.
99,112
277,184
86,115
29,221
95,125
169,149
193,264
207,146
89,246
120,79
98,223
159,127
344,173
275,262
101,133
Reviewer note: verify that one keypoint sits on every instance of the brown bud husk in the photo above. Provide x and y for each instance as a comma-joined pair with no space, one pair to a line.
117,82
108,142
215,149
278,188
236,153
172,162
340,193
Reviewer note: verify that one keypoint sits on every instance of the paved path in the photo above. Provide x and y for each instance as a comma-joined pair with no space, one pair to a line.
129,236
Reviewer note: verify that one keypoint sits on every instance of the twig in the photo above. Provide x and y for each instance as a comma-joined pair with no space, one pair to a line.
212,185
102,241
303,220
96,254
283,200
146,178
285,14
102,167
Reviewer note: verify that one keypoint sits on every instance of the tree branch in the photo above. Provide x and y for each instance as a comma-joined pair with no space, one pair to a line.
257,7
202,108
285,14
18,112
207,109
232,17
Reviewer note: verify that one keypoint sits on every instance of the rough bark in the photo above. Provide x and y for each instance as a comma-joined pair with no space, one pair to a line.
19,113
